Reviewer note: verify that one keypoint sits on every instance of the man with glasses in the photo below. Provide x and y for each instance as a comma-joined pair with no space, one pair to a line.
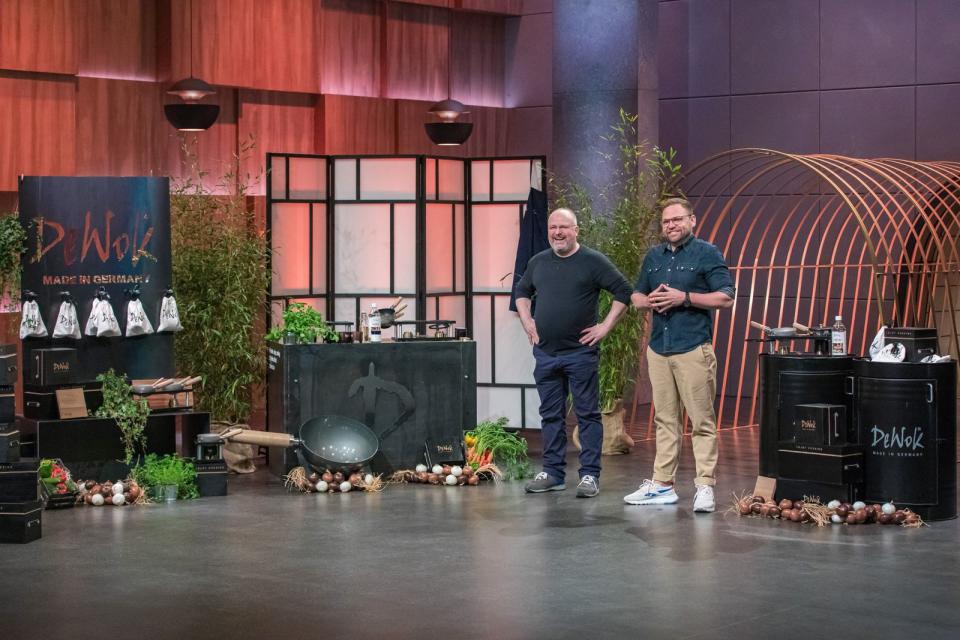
683,280
566,280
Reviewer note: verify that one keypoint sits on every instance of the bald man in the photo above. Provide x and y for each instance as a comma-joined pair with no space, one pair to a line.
566,281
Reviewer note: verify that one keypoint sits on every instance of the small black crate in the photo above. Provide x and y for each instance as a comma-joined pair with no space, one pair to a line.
7,406
40,403
20,522
830,465
820,424
53,367
8,368
919,342
798,489
19,481
211,477
9,444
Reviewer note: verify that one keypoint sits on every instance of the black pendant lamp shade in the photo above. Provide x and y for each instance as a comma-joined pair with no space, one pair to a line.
191,116
448,134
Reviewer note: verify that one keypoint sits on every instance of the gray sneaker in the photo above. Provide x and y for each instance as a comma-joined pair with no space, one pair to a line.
543,481
588,487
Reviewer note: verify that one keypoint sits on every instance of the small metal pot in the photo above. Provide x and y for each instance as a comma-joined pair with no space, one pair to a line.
387,317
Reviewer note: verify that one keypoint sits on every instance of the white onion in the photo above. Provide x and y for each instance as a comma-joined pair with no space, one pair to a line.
889,508
451,479
833,504
118,499
859,505
367,479
96,500
322,486
117,488
437,468
835,519
456,471
345,486
421,468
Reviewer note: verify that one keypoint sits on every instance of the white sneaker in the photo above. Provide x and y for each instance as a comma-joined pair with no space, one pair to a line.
704,501
652,493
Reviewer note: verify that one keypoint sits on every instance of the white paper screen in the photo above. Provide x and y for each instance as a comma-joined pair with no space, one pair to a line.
451,179
362,248
308,179
290,240
388,179
345,179
511,179
496,230
439,248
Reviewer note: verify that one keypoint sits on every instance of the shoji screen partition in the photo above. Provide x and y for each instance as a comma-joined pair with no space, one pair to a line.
297,225
498,196
440,232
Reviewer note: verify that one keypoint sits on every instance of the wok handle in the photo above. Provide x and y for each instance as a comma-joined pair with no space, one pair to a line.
757,325
802,328
191,381
262,438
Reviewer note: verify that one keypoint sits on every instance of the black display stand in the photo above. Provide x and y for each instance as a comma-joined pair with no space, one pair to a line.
406,393
87,445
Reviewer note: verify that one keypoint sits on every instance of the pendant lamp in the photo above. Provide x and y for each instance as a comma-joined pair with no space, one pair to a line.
448,132
190,114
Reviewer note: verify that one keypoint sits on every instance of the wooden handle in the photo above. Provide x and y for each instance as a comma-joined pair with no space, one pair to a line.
757,325
191,381
397,301
163,383
400,309
801,327
265,438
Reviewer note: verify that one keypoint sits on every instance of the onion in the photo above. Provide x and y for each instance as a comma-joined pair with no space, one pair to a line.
833,504
421,468
367,479
118,498
889,508
345,486
437,469
117,488
322,486
97,499
451,479
835,519
456,471
859,505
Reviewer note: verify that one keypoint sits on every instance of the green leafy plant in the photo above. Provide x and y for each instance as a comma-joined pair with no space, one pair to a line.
490,442
305,322
621,221
220,275
159,471
13,240
128,412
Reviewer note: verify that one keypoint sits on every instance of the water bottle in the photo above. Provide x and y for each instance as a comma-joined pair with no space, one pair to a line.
838,337
374,319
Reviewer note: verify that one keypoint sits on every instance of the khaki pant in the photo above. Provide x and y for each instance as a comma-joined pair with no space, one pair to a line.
685,380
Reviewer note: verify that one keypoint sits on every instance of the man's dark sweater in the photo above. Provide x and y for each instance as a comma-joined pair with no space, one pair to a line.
567,291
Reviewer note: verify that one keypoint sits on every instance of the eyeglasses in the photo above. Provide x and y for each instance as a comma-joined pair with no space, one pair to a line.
676,220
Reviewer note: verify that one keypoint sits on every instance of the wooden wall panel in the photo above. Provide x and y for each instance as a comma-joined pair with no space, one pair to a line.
350,50
489,137
278,122
501,7
478,59
212,151
224,37
40,35
119,39
286,46
121,129
357,125
416,52
432,3
37,131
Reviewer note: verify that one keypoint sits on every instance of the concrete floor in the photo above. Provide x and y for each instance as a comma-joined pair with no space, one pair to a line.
476,562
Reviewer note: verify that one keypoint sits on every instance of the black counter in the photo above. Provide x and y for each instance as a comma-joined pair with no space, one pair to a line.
406,392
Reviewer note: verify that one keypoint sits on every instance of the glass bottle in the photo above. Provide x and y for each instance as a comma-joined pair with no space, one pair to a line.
838,337
374,319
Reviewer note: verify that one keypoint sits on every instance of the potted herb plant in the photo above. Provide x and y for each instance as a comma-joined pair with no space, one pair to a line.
621,222
128,412
304,323
170,477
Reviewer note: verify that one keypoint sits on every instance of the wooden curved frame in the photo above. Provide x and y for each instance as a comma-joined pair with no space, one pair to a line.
810,236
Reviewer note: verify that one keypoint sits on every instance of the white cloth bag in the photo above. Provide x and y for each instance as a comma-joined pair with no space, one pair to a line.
93,320
137,322
107,325
169,315
31,324
68,325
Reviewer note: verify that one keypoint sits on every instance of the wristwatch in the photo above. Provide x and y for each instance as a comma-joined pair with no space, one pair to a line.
686,299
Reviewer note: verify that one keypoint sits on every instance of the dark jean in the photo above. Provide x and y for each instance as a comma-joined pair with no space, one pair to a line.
557,376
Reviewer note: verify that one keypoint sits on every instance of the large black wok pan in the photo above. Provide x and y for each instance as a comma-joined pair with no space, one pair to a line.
325,442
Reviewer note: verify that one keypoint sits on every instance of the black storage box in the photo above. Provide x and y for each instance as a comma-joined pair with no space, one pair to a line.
211,477
8,368
20,521
52,367
820,424
9,444
19,481
444,452
919,342
841,464
797,489
7,404
40,403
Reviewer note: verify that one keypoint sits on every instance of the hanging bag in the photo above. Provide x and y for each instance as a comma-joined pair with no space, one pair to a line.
107,325
137,322
94,319
68,325
169,315
31,324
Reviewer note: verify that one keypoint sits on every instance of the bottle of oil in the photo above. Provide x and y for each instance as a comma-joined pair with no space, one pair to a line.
838,337
374,319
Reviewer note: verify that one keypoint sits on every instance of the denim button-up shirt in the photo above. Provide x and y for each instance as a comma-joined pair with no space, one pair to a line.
695,266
